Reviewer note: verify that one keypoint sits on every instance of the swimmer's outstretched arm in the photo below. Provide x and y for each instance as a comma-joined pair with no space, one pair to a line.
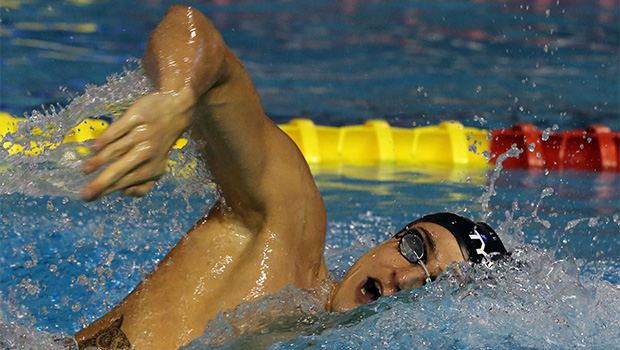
268,231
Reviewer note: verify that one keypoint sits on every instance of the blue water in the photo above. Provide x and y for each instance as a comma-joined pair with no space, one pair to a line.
342,62
487,64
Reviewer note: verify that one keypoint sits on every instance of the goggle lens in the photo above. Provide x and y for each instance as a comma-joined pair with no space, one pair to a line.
412,248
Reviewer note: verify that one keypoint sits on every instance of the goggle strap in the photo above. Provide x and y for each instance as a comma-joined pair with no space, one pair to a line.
428,275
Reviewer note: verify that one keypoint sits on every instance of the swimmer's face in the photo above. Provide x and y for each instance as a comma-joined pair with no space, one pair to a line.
384,271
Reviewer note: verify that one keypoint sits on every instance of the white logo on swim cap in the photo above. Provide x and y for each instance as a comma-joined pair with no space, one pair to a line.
480,251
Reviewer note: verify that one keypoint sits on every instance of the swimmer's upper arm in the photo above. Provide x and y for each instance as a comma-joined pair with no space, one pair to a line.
109,338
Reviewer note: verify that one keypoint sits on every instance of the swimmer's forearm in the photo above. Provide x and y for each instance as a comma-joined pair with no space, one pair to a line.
185,57
251,160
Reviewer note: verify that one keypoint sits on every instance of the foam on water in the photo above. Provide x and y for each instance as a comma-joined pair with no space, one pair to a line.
531,301
17,337
539,298
53,171
50,236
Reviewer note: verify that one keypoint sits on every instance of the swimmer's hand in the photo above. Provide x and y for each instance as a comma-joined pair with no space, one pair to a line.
137,145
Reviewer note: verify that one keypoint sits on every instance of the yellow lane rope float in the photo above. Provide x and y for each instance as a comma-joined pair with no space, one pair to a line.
373,143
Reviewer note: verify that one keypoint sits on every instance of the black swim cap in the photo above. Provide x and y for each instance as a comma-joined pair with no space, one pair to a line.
477,240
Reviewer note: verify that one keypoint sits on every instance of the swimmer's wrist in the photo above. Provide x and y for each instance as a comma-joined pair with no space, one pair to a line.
179,100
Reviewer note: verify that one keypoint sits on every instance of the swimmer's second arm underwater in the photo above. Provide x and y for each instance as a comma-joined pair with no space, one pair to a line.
271,210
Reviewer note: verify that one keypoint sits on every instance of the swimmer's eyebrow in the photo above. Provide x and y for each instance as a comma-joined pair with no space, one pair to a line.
431,241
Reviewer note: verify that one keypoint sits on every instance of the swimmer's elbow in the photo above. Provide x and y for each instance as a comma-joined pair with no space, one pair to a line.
181,10
185,49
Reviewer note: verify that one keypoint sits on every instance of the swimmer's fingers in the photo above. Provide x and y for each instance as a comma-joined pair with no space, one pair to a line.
135,167
143,111
118,129
112,151
139,190
131,184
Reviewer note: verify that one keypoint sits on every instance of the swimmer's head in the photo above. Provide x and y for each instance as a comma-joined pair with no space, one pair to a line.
417,254
477,240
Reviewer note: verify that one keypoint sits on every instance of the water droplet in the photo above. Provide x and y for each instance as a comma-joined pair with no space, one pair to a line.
83,321
593,221
76,306
547,192
531,147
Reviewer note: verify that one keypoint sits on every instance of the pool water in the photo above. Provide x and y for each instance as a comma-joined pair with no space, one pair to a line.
343,62
63,263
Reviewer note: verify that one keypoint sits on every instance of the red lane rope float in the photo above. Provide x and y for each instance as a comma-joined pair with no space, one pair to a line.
596,148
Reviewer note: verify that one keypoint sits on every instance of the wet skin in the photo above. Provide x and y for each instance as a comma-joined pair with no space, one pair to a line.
266,232
384,271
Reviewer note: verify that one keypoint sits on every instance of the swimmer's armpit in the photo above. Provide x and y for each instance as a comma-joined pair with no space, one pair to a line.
111,338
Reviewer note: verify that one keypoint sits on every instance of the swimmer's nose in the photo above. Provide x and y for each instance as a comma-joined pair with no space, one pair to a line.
410,277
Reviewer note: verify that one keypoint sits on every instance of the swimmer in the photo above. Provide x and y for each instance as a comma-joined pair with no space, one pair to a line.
267,230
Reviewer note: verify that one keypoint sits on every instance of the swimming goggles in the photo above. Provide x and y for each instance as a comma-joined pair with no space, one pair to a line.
412,248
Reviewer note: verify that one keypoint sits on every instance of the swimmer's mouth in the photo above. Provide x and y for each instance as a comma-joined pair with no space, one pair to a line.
370,290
